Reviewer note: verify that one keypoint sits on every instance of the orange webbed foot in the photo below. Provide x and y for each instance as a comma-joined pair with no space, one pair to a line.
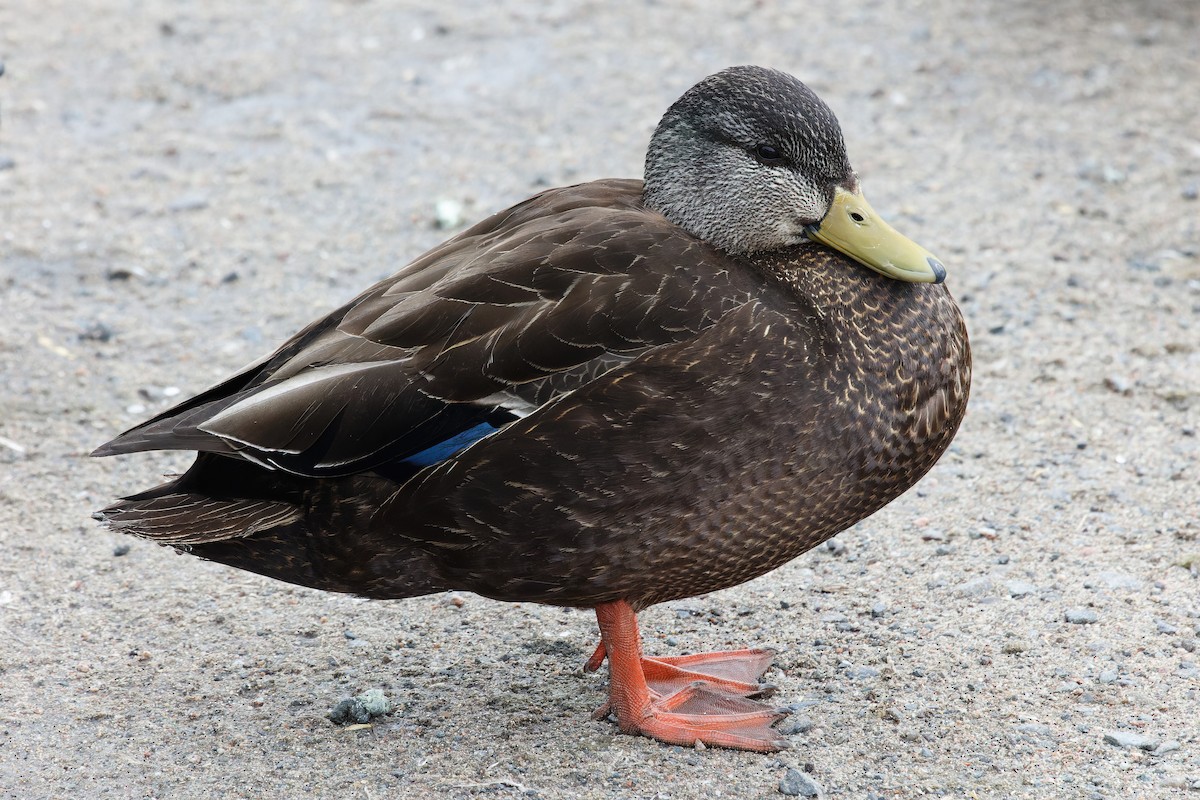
684,699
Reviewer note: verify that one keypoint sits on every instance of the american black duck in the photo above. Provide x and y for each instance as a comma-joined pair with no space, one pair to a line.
608,396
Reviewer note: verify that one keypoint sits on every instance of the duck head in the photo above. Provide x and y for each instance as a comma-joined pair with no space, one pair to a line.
751,160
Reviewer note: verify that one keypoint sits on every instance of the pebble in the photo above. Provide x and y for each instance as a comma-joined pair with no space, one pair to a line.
96,332
796,784
859,673
447,213
1019,588
121,550
794,725
1118,384
1120,580
7,162
1081,616
361,708
349,711
1165,627
1168,746
188,202
1108,676
977,587
1129,739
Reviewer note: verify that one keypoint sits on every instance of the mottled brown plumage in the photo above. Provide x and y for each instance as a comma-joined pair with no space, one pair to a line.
641,414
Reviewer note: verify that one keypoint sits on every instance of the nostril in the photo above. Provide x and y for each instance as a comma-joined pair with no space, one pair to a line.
856,216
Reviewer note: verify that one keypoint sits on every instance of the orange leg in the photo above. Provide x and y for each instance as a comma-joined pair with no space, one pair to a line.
733,671
712,708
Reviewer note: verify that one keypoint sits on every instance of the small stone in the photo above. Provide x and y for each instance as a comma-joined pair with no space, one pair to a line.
1119,384
1165,627
121,550
1108,676
1081,616
1168,746
1035,728
361,708
188,202
977,587
861,673
7,162
1129,739
96,332
375,702
878,609
1120,580
349,711
835,547
794,725
1191,191
796,784
1014,646
447,213
1019,588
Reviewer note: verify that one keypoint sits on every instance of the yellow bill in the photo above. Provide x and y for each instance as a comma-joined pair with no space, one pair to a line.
854,228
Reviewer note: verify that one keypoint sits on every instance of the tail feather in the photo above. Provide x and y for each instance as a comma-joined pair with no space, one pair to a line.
314,532
189,519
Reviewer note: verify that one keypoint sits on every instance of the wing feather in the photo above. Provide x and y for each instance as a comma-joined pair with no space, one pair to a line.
514,313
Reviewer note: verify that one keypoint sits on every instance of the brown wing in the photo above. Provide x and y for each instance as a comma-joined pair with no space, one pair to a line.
522,309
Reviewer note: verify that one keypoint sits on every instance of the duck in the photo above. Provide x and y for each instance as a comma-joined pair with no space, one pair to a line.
611,395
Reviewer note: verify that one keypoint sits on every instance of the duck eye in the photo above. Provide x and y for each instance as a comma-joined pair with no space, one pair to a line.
768,154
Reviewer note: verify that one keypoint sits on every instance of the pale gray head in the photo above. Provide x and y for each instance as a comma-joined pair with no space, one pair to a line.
746,160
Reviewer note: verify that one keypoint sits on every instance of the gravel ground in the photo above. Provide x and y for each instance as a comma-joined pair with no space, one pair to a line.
182,185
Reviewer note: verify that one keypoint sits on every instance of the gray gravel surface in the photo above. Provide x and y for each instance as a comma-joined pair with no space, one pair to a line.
182,185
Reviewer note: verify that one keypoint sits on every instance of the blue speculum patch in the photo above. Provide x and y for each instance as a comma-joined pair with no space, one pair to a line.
443,450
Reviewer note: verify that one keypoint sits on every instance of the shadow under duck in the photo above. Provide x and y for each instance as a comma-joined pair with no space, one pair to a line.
608,396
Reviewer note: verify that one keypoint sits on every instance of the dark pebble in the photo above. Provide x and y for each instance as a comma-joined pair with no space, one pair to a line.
121,550
794,725
7,162
796,784
188,202
350,710
97,332
1191,192
1081,616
